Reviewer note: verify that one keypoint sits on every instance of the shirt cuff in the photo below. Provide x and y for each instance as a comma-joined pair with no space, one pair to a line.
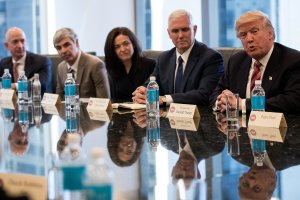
169,99
244,106
215,107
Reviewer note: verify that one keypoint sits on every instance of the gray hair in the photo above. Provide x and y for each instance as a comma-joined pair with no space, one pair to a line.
180,13
63,33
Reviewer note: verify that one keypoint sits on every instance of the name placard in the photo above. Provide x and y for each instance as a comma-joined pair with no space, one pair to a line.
99,104
51,109
7,104
267,133
7,94
183,110
19,184
267,119
51,99
100,115
191,124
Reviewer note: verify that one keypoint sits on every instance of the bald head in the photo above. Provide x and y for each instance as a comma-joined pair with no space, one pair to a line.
15,42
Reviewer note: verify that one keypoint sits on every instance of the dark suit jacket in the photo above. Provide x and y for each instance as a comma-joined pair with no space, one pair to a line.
203,70
91,77
34,63
280,80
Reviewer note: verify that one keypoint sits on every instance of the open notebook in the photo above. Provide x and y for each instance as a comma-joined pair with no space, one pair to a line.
129,105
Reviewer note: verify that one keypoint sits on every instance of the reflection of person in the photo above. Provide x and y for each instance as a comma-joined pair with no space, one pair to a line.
258,183
18,139
24,60
125,140
88,70
126,66
201,66
279,69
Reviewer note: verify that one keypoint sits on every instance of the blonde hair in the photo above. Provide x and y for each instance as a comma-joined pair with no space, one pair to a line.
253,16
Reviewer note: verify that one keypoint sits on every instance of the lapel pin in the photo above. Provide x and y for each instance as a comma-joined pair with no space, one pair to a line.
270,78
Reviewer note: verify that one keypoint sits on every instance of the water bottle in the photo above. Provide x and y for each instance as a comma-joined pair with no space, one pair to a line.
23,115
98,182
152,98
36,88
153,132
37,113
6,80
54,178
258,97
72,121
22,88
73,168
70,92
259,151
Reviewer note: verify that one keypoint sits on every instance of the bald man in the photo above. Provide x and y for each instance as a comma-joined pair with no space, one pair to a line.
31,63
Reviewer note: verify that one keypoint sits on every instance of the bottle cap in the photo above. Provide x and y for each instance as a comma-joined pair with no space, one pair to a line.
257,82
69,75
22,73
73,138
6,70
36,75
152,78
259,163
97,152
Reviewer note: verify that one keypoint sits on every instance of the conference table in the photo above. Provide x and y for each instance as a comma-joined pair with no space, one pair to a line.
213,163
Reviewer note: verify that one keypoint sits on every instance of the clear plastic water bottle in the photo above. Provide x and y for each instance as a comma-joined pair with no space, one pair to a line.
99,177
36,92
70,92
6,80
73,168
72,121
37,113
258,97
259,151
152,98
22,88
153,132
54,179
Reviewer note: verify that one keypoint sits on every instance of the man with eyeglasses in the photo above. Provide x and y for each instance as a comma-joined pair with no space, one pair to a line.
277,66
23,60
187,73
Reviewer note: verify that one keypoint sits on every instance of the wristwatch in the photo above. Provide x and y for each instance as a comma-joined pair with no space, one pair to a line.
164,100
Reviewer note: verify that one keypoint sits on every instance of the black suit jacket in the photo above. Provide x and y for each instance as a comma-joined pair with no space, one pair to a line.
203,70
280,80
34,63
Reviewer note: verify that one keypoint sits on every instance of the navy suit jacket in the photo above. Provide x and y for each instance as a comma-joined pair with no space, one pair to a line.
34,63
280,79
202,72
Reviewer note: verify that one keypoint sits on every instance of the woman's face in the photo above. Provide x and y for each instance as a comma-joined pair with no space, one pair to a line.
123,48
126,148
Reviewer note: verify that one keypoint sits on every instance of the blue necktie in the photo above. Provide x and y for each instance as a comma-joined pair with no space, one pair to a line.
179,75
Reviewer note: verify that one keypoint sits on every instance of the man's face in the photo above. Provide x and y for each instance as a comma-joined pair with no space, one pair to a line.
123,48
15,43
257,40
182,33
68,50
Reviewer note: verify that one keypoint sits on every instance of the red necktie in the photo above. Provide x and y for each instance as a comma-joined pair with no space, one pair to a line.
256,75
15,72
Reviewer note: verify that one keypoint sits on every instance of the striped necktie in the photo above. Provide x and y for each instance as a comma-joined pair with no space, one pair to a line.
256,75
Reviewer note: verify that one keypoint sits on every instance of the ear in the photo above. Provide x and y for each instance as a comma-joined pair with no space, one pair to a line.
169,33
6,45
77,43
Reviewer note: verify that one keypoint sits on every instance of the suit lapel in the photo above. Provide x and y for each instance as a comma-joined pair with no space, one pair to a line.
242,77
172,67
27,68
80,68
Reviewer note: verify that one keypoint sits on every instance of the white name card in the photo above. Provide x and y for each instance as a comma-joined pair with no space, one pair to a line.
267,119
7,94
99,104
50,109
101,115
183,110
267,133
191,124
51,99
19,184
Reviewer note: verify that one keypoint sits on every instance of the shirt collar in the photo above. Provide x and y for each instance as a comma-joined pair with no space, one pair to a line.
185,54
264,61
75,65
21,60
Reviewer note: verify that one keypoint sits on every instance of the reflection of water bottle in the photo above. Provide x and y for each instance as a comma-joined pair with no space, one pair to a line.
54,182
22,88
70,92
72,120
37,113
99,177
73,168
6,79
152,98
259,151
23,116
153,130
36,88
7,114
258,97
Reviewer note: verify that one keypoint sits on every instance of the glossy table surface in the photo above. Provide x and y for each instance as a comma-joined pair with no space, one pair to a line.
148,165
